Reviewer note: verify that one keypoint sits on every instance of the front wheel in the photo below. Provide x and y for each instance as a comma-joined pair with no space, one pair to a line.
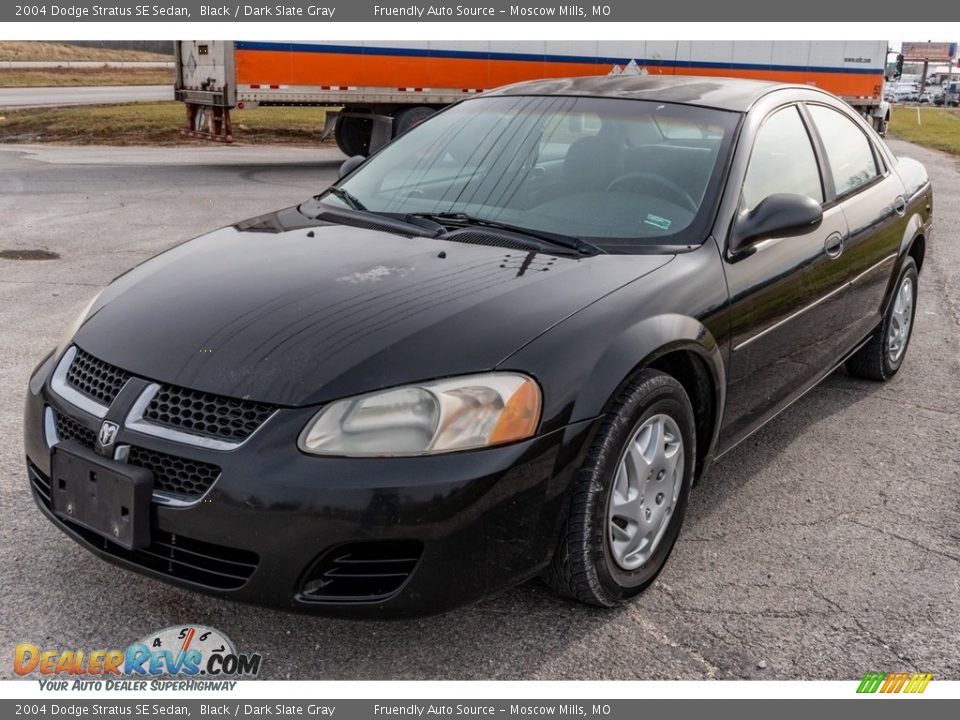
630,495
882,356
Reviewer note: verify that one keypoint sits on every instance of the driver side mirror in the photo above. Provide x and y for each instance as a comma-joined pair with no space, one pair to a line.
351,164
778,215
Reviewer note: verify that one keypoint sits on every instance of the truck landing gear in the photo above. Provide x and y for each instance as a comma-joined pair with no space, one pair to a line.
208,122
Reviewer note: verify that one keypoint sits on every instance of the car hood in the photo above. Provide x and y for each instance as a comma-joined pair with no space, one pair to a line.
288,311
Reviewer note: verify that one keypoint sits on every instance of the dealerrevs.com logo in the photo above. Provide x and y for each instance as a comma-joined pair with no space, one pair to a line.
188,652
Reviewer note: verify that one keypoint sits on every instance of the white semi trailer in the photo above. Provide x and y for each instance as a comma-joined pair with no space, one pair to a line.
379,89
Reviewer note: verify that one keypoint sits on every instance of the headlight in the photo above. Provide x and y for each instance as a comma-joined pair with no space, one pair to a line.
462,413
74,326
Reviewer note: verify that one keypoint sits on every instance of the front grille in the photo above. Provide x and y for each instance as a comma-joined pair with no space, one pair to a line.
95,378
175,475
363,571
206,414
202,563
171,474
70,429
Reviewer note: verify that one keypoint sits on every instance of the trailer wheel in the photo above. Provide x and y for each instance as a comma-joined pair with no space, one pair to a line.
409,118
353,135
880,125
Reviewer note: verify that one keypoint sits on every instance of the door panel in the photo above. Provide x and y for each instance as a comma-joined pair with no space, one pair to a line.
783,328
876,229
873,205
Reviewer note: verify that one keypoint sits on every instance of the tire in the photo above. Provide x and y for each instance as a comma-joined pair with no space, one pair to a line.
409,118
353,135
880,125
877,360
587,564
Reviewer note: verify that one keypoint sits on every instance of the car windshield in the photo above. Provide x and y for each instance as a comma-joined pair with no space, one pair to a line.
616,173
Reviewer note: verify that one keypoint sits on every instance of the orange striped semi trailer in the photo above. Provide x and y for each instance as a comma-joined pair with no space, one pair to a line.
380,89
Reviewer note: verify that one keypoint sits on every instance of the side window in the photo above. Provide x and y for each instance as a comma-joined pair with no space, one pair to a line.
782,161
851,159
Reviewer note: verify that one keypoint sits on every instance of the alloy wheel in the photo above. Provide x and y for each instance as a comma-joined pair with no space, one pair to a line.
900,320
645,491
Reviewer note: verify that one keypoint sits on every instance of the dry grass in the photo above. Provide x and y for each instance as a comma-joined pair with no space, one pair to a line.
154,124
34,50
58,77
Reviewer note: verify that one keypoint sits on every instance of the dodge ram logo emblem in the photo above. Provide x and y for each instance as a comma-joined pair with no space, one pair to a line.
108,433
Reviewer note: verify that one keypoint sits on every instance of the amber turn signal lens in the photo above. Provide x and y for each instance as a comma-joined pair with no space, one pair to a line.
520,416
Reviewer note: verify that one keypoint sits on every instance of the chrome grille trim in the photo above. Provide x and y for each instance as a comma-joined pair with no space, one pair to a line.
58,383
121,454
135,421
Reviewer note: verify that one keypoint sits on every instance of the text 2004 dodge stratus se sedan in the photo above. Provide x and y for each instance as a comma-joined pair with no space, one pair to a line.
505,345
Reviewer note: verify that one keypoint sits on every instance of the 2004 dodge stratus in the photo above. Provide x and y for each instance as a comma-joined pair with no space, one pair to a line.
506,344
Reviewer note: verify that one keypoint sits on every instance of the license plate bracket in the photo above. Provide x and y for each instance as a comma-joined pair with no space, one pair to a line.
110,498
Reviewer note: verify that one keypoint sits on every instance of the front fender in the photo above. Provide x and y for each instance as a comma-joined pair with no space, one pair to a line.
639,346
584,361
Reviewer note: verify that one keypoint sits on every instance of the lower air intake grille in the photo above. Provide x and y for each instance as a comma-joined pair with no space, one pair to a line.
175,475
363,571
202,563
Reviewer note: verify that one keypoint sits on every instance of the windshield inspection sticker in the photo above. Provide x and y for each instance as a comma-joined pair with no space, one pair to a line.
658,222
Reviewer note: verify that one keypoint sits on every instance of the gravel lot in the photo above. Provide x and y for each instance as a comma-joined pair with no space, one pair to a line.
825,546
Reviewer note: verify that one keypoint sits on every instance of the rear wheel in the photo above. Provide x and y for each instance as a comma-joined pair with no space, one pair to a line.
880,125
409,118
353,135
882,356
630,496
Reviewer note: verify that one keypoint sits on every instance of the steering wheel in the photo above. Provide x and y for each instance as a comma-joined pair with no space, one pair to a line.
656,184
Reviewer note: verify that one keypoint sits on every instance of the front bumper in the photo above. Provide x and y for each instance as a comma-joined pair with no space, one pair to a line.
431,532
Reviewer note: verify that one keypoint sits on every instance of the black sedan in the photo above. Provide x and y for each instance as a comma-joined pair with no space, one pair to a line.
506,345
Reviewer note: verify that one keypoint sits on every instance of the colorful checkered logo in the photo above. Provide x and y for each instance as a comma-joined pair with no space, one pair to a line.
901,682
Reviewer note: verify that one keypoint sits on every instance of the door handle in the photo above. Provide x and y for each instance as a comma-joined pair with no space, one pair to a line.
899,205
833,245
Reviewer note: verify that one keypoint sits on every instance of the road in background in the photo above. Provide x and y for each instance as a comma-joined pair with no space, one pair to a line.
825,546
24,97
93,64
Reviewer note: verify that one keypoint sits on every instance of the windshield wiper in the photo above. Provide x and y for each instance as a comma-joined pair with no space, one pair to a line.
462,219
352,201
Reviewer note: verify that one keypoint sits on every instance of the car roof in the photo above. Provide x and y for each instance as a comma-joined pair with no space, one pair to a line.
736,94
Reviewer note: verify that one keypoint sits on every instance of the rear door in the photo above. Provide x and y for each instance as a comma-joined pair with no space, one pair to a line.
871,197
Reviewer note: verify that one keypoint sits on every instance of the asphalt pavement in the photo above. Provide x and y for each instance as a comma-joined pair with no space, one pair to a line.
26,97
825,546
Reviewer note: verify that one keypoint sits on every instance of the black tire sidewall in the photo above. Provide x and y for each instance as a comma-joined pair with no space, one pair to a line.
409,118
909,270
663,395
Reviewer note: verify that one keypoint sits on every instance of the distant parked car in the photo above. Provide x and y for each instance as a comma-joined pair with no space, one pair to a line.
506,344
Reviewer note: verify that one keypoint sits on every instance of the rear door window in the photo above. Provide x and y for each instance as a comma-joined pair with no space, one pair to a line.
852,163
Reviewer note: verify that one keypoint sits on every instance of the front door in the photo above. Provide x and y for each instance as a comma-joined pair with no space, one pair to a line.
783,326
